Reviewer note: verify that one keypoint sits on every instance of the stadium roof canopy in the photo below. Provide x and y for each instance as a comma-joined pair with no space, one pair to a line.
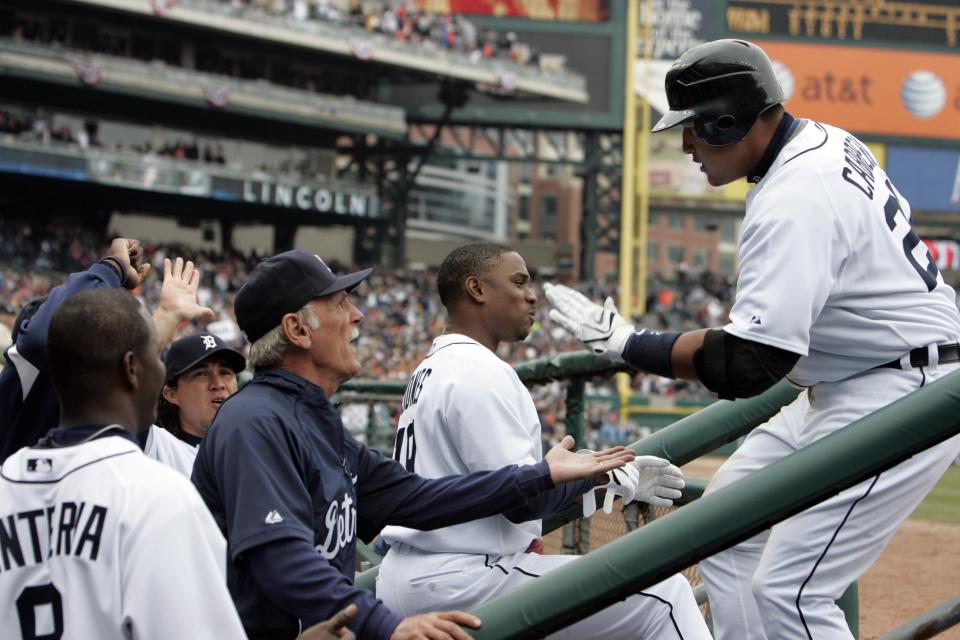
166,84
358,44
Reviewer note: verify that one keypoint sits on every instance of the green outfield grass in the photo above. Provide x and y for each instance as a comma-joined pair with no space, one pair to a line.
943,503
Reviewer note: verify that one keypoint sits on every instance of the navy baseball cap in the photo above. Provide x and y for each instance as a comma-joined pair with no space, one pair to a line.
283,284
186,353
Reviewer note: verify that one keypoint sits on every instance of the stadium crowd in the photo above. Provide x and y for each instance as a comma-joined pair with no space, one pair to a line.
403,312
48,128
405,21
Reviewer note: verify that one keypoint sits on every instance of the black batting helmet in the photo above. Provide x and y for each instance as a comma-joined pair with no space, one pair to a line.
723,86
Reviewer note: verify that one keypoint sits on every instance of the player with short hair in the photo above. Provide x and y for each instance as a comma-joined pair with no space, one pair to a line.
836,293
465,410
293,490
97,540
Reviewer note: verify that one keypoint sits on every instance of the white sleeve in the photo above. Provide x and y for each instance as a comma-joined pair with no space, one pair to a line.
174,568
486,421
791,252
170,451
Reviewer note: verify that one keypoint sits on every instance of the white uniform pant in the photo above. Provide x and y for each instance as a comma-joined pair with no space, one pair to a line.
412,581
784,583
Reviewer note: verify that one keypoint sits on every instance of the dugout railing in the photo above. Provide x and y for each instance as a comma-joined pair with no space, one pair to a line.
668,545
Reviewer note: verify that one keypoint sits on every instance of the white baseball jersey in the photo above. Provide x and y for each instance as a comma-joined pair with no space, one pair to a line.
466,410
98,541
829,265
169,450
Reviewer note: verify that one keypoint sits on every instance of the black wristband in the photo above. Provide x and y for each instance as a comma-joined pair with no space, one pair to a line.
651,351
115,263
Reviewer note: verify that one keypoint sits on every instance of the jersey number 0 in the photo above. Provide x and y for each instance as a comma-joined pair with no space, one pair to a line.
44,600
405,447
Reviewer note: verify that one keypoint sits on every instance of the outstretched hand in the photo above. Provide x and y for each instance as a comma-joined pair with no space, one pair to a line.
178,298
567,466
602,330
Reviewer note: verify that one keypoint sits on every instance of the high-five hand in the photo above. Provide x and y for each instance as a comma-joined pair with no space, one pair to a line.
567,466
601,329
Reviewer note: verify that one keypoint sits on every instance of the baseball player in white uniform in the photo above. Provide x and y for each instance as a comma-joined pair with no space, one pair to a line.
837,294
466,410
97,540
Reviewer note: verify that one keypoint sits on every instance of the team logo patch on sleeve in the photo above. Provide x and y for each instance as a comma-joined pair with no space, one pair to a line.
39,465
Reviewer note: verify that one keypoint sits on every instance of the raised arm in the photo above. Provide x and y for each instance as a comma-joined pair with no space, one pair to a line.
728,365
178,299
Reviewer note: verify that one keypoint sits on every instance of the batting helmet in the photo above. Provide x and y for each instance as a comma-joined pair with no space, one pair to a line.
723,86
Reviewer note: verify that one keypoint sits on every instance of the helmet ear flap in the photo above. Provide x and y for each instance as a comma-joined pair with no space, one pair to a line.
726,122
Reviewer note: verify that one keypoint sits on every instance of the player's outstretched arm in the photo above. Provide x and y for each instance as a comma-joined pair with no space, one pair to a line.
730,366
567,466
178,299
438,625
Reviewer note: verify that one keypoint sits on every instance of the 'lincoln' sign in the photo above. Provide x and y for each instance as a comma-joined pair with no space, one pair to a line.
310,198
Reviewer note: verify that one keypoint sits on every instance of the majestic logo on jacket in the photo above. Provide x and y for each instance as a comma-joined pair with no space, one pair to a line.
341,523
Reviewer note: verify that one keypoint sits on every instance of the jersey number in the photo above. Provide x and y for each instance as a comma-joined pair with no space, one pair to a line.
405,448
40,610
910,241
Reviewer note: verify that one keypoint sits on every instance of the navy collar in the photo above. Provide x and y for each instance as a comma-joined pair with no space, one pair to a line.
189,438
68,436
284,379
313,397
780,137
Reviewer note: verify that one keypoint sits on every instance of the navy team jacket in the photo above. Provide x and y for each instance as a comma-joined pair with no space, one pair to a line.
277,463
29,407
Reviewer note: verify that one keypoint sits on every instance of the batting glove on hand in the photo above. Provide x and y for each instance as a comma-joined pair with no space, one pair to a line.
602,330
648,479
623,483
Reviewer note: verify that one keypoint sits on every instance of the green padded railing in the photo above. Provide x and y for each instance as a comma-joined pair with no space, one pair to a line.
728,516
681,442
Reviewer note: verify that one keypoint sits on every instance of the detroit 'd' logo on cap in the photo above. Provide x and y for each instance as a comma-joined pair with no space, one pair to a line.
322,263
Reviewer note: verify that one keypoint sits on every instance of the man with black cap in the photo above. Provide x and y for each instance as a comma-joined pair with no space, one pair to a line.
292,490
201,372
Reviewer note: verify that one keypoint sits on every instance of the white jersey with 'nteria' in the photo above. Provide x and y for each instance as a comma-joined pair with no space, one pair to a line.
99,541
466,410
829,265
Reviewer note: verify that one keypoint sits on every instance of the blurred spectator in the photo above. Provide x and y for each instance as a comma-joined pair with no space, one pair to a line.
401,309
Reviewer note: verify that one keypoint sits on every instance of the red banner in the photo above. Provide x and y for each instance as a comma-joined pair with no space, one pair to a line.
569,10
945,253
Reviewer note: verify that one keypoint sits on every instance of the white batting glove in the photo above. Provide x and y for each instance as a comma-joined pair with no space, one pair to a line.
648,479
623,483
602,330
660,482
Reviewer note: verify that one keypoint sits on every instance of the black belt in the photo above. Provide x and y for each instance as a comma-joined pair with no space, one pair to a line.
919,357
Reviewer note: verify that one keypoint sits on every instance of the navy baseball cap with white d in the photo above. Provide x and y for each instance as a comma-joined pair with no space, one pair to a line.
186,353
283,284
